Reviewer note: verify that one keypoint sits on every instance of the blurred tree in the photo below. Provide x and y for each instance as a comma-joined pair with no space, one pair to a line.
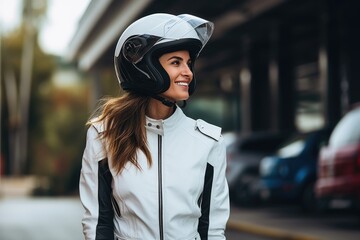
18,72
56,112
60,136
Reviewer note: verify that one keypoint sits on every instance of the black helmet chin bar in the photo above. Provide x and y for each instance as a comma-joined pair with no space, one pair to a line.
164,101
167,102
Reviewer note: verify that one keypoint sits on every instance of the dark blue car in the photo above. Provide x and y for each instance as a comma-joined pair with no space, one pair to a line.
290,174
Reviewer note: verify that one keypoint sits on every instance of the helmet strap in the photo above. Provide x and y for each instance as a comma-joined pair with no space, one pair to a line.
164,101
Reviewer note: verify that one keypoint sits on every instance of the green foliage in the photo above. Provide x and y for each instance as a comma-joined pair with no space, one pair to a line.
60,139
57,116
43,67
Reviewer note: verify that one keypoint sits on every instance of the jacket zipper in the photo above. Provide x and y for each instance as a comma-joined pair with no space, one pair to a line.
161,221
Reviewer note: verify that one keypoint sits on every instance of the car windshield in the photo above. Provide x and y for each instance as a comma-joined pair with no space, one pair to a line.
291,148
347,131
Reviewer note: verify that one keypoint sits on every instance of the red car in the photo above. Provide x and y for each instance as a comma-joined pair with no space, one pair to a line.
339,164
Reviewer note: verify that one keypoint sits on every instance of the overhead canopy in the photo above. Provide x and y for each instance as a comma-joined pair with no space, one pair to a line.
104,21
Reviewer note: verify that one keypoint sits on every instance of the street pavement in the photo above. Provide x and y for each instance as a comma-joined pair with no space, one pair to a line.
55,219
289,222
28,218
48,219
40,219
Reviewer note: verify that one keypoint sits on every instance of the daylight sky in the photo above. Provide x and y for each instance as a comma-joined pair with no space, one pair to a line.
59,26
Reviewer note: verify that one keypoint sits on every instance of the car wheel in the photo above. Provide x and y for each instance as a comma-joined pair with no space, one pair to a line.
308,200
322,206
244,194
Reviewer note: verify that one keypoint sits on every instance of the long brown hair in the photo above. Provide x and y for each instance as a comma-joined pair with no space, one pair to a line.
124,124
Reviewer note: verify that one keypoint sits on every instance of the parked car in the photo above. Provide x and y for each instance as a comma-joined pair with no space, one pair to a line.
244,153
289,175
339,163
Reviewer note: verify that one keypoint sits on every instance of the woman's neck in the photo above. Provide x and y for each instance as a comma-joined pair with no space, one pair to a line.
157,110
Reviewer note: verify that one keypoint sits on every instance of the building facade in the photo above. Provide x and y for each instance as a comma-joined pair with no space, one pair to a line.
275,65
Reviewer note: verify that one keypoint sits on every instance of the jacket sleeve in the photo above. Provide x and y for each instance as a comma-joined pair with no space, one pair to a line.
95,190
215,204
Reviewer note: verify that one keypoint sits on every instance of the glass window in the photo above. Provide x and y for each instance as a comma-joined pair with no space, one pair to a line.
347,130
293,148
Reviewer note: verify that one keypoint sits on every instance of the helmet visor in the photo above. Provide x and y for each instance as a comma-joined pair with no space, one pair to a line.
202,27
175,28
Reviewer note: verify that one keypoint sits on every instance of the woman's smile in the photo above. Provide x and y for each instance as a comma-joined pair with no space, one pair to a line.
177,65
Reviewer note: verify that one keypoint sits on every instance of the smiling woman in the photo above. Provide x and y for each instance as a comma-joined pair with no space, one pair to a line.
178,66
149,171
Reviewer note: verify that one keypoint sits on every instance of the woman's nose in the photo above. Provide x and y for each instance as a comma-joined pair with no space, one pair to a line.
186,70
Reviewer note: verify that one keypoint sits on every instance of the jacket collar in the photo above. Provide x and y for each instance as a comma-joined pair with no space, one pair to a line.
160,126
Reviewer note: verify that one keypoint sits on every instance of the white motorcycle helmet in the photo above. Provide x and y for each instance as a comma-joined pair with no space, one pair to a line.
138,50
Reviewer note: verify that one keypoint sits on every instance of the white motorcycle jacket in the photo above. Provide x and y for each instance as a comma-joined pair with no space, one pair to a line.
183,195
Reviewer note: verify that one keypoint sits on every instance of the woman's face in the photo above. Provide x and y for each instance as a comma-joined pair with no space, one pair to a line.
177,65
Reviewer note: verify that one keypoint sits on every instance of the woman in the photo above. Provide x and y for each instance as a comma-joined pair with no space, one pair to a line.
149,171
